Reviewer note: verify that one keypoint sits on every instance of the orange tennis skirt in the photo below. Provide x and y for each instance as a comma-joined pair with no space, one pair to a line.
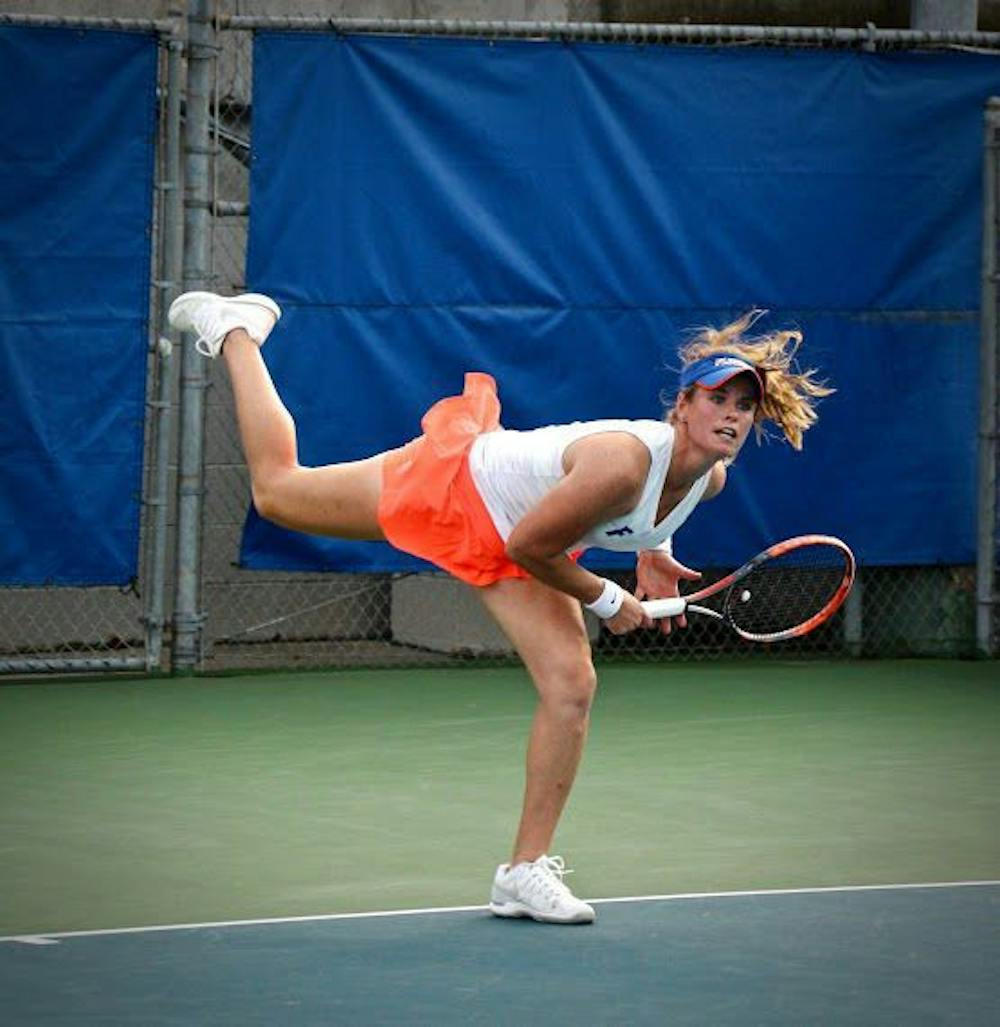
429,504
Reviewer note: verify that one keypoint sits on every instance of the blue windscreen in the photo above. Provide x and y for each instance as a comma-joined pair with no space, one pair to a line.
559,215
76,173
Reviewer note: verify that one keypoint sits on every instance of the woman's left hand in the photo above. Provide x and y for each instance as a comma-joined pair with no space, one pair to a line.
657,576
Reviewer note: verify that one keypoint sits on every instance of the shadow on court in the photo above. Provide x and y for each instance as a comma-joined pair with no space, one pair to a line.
908,956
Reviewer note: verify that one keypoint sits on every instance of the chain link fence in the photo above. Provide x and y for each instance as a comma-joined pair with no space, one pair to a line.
62,629
259,619
255,619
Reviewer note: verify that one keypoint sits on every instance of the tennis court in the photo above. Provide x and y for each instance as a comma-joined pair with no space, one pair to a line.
769,842
290,832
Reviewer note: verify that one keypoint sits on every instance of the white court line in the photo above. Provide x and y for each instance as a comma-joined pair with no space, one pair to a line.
51,938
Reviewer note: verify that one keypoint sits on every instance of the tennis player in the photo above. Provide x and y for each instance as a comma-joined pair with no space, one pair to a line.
509,511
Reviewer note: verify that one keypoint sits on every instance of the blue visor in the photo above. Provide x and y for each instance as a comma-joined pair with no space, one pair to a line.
711,372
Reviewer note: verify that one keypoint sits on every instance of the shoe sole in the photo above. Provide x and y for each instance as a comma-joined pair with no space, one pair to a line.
513,910
176,315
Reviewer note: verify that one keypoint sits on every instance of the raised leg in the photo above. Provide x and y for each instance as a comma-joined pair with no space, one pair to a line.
340,500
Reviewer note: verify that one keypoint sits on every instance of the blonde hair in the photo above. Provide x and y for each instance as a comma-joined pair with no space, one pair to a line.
789,395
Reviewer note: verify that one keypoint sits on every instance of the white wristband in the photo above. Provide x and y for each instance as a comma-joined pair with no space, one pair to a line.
609,602
667,546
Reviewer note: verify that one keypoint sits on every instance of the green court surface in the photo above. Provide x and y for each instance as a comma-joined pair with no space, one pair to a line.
130,803
199,805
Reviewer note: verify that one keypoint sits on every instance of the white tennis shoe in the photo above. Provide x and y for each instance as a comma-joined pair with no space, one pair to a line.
536,889
212,317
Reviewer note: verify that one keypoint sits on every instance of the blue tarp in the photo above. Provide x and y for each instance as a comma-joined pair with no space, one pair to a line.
558,215
76,170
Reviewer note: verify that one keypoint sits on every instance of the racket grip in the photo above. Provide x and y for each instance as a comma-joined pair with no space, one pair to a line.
659,608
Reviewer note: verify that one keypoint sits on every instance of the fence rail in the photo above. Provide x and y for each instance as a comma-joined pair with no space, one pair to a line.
869,37
161,26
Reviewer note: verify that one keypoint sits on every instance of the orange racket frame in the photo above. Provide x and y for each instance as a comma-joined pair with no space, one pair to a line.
676,605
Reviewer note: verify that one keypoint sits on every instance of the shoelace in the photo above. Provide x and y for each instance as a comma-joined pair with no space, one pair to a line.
202,346
546,876
217,326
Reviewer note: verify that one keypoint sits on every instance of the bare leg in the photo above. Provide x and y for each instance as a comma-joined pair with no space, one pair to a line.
339,500
546,627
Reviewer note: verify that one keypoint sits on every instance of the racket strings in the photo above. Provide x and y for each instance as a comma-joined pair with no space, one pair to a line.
785,592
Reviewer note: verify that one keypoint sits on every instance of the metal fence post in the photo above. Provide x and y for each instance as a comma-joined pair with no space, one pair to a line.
986,514
188,617
172,229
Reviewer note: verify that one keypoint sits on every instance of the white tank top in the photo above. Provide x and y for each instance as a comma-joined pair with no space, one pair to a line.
513,470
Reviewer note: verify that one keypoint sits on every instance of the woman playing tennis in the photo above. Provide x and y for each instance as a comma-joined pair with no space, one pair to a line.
508,512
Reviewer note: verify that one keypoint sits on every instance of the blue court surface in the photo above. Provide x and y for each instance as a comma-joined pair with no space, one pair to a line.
885,955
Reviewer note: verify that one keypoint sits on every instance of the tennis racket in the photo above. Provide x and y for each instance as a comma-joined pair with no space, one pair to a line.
784,592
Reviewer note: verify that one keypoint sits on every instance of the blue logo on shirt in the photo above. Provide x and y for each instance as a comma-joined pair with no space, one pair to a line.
621,531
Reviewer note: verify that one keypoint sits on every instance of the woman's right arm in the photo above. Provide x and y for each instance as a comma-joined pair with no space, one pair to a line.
604,480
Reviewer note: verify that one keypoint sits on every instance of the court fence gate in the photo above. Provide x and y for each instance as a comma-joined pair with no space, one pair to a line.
60,629
193,608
